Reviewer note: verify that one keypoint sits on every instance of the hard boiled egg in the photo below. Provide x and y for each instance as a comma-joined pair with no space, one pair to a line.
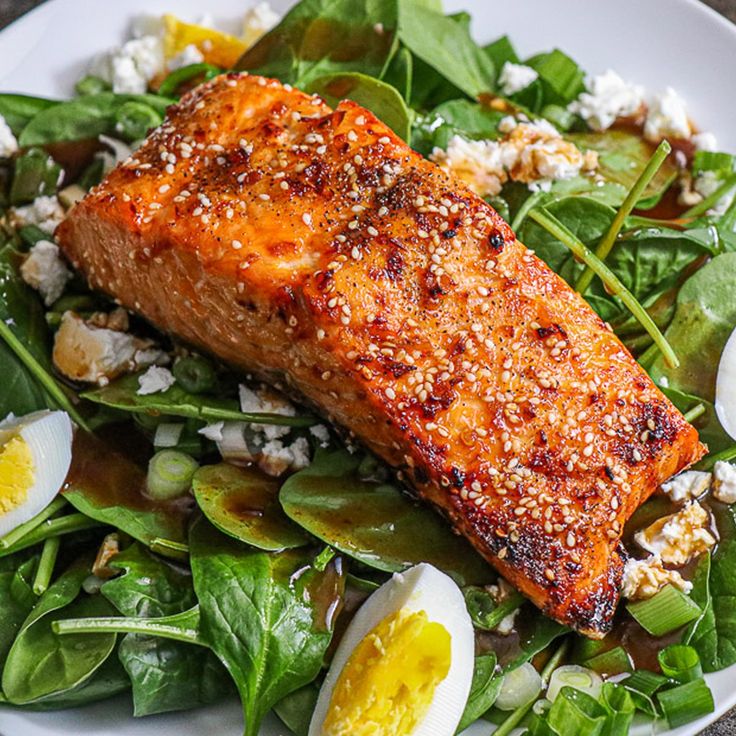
35,455
726,387
405,664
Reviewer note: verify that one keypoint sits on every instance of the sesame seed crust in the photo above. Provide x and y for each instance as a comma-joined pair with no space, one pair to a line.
313,246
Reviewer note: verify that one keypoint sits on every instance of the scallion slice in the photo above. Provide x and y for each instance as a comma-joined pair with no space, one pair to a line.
575,676
642,685
170,474
575,713
680,662
620,707
520,687
664,612
686,703
613,662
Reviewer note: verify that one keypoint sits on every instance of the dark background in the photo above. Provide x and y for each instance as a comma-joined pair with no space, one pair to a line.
11,9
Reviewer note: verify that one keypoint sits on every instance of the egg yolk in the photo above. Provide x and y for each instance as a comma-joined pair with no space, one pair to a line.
17,472
388,683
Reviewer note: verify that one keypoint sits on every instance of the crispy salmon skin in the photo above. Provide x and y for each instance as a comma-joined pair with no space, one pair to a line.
314,247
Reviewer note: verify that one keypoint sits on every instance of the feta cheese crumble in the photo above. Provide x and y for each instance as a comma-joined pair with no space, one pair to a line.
644,578
8,144
321,434
155,380
45,271
705,142
266,401
667,117
516,77
130,68
531,153
687,485
679,537
608,98
724,485
258,21
44,212
190,55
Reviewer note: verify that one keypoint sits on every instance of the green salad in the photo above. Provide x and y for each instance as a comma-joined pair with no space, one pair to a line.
197,536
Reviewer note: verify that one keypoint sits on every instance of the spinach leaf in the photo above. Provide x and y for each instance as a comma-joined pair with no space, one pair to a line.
86,117
244,503
16,599
400,72
539,632
714,589
561,79
373,521
445,45
708,425
383,100
703,321
21,394
41,663
501,51
318,37
268,617
19,110
622,157
108,487
166,675
297,708
175,401
483,690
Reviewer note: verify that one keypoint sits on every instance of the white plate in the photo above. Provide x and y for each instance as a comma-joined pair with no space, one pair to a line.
653,42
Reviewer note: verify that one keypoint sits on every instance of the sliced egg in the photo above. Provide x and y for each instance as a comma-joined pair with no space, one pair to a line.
726,387
405,664
35,455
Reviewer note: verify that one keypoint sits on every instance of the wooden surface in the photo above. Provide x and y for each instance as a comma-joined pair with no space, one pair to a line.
12,9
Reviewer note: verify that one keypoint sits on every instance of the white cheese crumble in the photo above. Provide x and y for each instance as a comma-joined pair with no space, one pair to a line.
644,578
45,271
705,142
516,77
276,457
724,486
8,144
189,55
608,98
130,68
531,153
258,21
321,434
687,485
708,182
266,401
679,537
667,117
155,380
44,212
85,352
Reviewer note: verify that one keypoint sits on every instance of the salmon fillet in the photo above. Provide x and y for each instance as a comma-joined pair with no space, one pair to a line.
313,247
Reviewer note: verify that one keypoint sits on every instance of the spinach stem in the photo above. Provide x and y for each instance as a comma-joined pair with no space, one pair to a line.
52,528
530,203
520,713
694,413
44,378
604,247
177,627
169,548
612,283
647,357
46,565
702,207
723,456
19,532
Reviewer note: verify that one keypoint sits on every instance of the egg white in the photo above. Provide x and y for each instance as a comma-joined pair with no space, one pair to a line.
726,387
421,588
48,435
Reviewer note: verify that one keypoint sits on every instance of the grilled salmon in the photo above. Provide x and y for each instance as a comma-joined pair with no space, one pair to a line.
313,247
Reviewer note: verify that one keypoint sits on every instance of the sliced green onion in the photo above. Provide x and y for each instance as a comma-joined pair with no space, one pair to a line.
195,374
484,612
46,565
575,676
621,709
702,207
170,474
520,687
642,685
170,548
69,524
612,283
167,435
680,662
575,713
613,662
686,703
323,559
604,248
538,726
666,611
12,538
171,84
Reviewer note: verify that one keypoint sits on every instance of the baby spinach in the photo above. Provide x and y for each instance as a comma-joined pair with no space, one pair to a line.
704,318
41,663
21,394
383,100
244,503
560,78
268,617
483,691
375,522
708,425
16,598
19,110
108,487
297,708
175,401
86,117
166,675
318,37
501,51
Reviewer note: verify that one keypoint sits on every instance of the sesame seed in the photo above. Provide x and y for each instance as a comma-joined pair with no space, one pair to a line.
307,218
384,139
237,245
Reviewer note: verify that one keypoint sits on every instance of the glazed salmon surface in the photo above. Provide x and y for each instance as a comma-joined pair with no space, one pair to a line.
313,247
